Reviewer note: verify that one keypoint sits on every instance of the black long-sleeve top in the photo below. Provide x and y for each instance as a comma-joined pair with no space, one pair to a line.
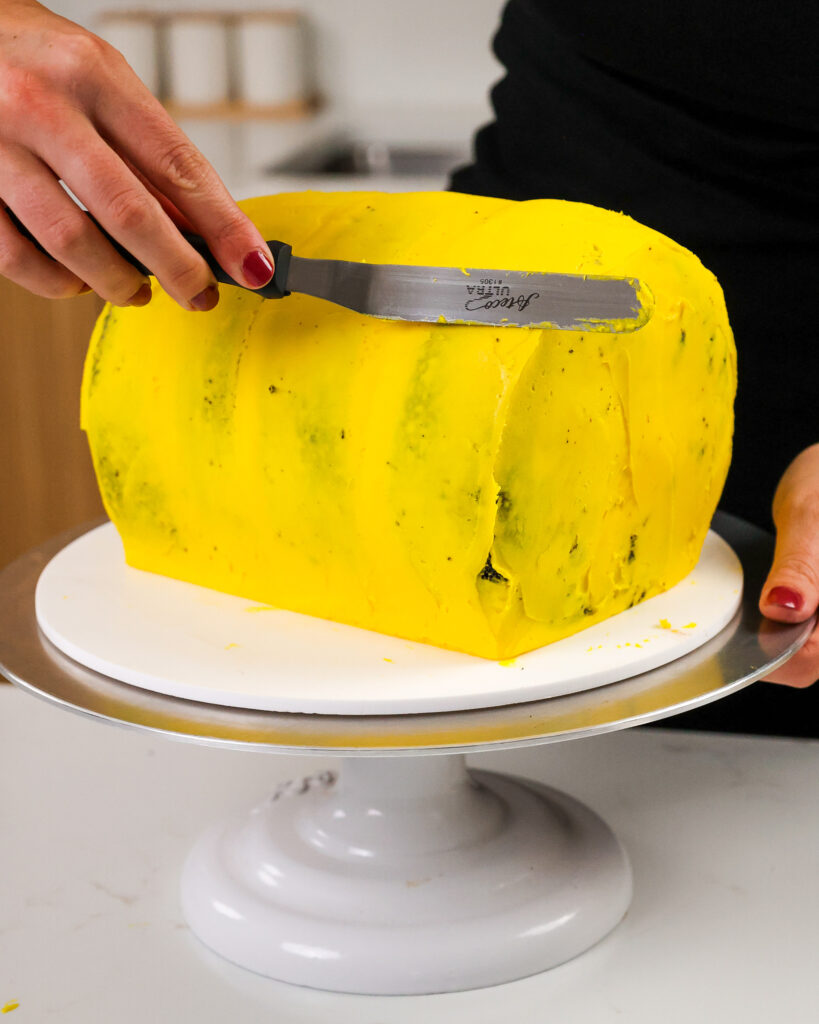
699,118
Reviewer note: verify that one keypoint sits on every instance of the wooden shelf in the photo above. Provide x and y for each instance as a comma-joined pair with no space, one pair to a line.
238,111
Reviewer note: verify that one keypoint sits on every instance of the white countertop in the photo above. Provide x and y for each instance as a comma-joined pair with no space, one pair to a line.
722,832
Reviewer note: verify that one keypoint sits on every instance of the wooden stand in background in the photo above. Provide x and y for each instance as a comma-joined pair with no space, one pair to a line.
46,480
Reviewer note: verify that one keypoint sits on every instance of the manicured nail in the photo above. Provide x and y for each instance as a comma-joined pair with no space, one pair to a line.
141,297
206,299
257,269
786,598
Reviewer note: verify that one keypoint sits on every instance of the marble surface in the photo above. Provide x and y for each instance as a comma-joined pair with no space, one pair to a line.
722,832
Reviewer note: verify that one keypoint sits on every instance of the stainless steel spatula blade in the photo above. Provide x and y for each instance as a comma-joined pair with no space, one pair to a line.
451,295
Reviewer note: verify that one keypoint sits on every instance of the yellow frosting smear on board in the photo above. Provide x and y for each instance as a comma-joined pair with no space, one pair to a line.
484,489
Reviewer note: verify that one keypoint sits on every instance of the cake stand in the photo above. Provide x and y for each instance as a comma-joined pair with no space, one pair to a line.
403,871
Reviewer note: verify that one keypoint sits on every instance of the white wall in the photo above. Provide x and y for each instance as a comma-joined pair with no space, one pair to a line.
386,51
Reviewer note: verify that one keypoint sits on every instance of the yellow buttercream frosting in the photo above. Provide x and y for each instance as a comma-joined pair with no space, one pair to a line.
484,489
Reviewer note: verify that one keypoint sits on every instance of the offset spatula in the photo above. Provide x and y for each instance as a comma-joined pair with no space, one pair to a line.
448,295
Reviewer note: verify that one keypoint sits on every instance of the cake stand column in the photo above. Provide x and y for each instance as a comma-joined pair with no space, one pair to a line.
406,874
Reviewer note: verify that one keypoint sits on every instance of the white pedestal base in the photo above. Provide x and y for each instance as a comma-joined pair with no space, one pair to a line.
407,875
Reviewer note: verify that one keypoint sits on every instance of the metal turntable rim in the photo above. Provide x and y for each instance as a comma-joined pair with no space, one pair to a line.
747,649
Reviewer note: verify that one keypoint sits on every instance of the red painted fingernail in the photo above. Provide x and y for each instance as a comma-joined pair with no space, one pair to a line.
257,269
206,299
785,598
141,297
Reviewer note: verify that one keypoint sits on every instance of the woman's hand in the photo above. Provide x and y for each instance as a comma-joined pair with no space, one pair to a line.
72,109
791,592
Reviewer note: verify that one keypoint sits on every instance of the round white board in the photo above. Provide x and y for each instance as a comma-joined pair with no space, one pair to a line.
188,641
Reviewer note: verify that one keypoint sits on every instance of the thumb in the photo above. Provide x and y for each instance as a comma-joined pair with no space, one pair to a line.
791,591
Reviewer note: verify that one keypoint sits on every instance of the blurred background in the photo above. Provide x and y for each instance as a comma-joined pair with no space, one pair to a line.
264,87
327,94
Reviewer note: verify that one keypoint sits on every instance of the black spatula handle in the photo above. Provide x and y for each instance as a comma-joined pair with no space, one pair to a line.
276,288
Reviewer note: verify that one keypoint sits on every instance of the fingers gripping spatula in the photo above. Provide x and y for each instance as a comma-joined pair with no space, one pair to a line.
447,295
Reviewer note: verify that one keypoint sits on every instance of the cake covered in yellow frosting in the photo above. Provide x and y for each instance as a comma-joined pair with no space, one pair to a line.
484,489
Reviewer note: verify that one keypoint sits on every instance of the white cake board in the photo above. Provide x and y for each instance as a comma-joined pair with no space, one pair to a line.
188,641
